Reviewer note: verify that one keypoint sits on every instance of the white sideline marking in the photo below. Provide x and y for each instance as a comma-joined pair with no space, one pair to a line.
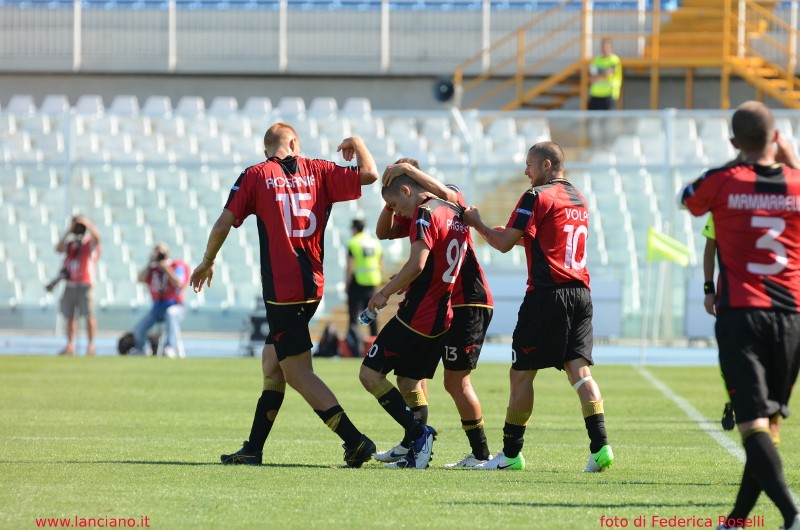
708,426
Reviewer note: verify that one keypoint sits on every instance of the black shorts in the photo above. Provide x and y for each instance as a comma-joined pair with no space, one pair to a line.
758,354
288,328
596,103
397,347
464,339
554,326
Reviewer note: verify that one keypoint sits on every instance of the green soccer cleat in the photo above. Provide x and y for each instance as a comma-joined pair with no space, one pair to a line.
600,461
502,462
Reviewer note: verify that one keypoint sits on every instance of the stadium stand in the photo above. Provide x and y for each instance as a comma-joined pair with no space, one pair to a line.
150,171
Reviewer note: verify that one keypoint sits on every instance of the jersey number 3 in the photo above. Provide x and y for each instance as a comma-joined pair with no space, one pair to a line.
769,241
290,204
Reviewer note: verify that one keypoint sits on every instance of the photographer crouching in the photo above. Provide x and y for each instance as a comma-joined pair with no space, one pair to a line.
166,280
81,244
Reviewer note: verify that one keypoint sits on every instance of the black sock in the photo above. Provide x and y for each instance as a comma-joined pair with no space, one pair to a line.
596,427
477,438
513,439
765,465
393,403
267,409
421,413
336,419
746,498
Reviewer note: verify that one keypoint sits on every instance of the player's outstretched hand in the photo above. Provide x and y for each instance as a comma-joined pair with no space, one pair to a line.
471,216
202,274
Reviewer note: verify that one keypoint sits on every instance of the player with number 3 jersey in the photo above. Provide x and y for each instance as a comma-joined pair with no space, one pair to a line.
555,321
755,201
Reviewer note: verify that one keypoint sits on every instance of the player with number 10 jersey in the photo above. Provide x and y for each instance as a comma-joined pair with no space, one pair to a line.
555,223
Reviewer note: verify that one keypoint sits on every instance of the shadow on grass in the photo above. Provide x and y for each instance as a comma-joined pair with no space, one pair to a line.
505,504
165,463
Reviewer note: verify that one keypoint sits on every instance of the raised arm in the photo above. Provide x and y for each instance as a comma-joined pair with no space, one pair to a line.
355,147
503,240
428,182
387,226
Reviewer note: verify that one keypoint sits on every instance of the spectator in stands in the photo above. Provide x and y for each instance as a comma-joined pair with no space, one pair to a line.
605,76
81,244
291,197
166,278
753,201
363,274
555,320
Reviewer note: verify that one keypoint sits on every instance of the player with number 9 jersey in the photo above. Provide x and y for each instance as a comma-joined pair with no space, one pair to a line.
292,199
555,224
426,307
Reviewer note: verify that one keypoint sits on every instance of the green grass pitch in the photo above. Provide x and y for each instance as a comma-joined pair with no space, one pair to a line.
133,437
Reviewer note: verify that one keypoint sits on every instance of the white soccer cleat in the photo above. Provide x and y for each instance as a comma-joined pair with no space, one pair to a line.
500,462
468,461
394,454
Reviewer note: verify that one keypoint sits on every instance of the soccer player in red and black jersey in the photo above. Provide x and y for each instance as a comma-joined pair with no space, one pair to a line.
555,321
472,312
409,344
755,201
291,197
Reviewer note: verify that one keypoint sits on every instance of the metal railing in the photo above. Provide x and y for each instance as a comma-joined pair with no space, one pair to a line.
243,36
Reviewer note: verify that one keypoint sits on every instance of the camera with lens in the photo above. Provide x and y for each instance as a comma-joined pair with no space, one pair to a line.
79,229
63,274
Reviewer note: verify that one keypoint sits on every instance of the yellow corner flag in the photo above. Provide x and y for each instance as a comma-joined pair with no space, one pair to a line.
662,247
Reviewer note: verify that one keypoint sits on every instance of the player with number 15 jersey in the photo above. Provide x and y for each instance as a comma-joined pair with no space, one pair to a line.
292,199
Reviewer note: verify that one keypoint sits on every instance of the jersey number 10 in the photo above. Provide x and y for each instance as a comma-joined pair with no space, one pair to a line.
573,244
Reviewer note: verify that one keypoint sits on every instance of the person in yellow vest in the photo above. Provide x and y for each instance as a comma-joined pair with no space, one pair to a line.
364,266
605,73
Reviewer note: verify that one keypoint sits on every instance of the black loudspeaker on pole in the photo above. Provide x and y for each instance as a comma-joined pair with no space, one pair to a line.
443,89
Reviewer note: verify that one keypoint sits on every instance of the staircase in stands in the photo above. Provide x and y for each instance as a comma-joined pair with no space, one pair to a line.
738,38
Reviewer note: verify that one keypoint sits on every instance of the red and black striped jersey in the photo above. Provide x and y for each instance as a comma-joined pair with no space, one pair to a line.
471,287
555,222
756,213
426,307
291,199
